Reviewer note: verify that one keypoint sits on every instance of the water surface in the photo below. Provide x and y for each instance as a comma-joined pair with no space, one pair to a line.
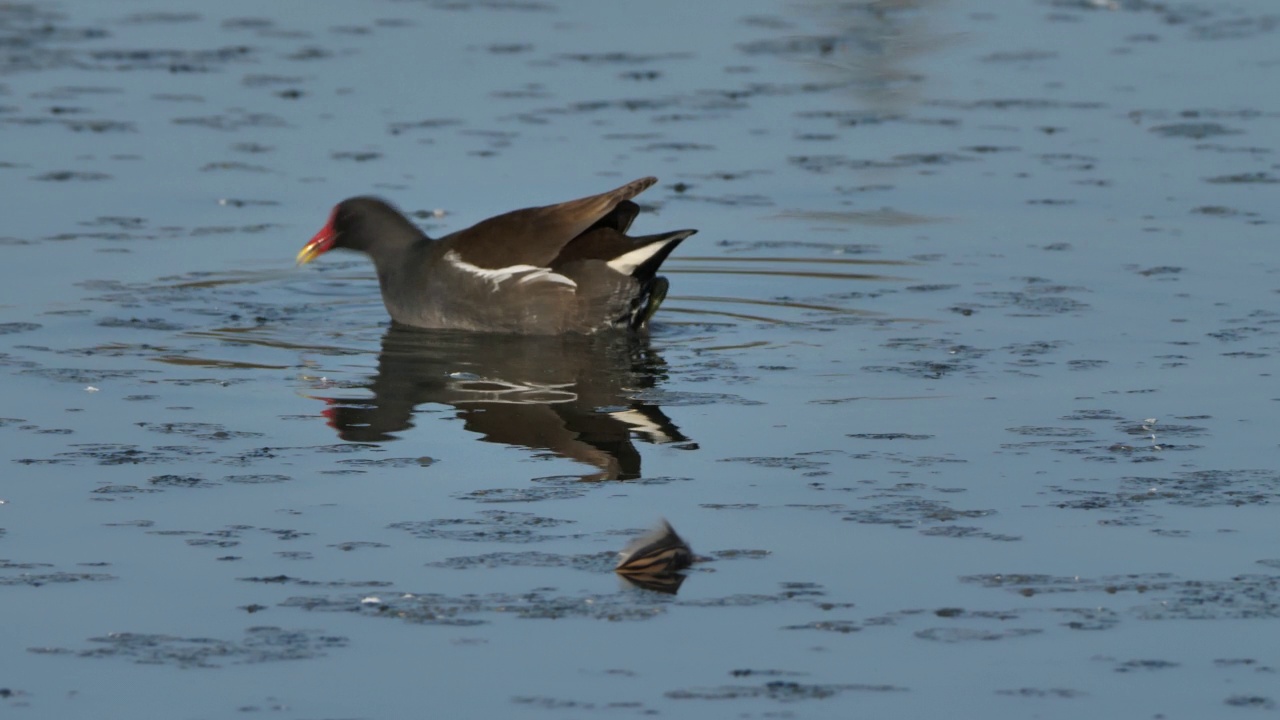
962,394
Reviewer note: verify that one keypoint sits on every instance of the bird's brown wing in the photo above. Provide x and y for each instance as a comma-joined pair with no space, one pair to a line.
535,236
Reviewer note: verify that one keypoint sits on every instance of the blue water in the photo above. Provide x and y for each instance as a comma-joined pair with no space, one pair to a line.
951,259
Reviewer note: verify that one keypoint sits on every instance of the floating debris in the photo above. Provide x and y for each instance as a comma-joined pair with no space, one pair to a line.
653,560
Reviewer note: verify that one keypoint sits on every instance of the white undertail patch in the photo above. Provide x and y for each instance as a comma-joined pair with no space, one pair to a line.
627,264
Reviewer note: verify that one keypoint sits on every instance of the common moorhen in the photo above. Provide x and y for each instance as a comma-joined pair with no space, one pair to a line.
539,271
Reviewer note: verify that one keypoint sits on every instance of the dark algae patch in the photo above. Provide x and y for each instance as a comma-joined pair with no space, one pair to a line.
260,645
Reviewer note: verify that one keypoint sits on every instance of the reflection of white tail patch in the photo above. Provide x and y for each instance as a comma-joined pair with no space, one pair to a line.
497,276
627,264
641,423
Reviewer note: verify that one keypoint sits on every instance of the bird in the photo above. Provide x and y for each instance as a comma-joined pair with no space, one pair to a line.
549,270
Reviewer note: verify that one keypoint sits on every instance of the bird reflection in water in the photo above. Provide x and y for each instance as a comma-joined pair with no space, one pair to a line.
570,394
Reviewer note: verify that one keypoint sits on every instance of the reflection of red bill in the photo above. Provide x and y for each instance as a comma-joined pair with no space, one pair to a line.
330,414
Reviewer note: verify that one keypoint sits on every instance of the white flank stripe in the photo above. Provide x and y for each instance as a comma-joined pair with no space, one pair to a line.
627,264
497,276
545,275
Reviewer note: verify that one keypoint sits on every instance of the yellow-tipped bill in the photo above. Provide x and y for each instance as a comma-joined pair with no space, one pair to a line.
309,252
320,244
